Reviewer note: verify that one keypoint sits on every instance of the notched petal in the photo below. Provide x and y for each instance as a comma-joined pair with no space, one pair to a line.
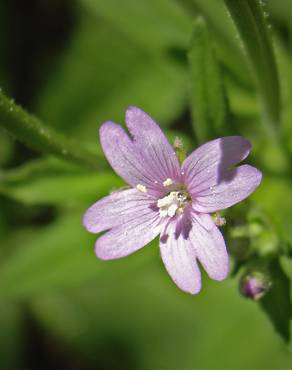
146,159
180,260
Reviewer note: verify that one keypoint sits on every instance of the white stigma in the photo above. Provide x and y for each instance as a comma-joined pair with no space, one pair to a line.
141,188
172,204
167,182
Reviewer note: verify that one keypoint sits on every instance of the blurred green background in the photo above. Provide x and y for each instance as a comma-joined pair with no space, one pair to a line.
75,64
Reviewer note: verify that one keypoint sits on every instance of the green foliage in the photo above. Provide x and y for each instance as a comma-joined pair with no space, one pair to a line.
127,314
252,26
90,86
274,198
55,182
223,32
206,86
277,303
140,313
11,335
152,24
58,256
30,130
6,147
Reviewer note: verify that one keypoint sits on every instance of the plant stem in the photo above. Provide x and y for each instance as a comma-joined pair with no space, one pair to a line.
35,134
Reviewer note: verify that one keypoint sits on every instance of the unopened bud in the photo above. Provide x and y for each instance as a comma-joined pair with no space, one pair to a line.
179,149
178,143
255,285
219,220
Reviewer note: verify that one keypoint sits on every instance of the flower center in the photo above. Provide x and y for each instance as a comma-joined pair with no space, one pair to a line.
173,203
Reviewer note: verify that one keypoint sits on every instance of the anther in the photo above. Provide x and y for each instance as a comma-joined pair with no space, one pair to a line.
172,204
141,188
167,182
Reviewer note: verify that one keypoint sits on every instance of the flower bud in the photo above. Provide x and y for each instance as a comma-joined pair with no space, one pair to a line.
179,149
255,285
219,220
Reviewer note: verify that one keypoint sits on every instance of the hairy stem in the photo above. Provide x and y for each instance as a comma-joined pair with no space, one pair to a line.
35,134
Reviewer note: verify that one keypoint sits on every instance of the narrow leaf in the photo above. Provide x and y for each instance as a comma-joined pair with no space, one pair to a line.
223,30
208,101
249,19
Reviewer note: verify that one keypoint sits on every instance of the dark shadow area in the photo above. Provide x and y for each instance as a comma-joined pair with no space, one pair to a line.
37,33
226,169
45,351
42,351
19,215
184,225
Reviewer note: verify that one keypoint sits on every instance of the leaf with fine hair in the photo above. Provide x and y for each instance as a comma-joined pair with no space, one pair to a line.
249,18
223,32
35,134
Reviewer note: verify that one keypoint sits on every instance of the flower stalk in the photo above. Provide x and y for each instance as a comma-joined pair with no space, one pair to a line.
35,134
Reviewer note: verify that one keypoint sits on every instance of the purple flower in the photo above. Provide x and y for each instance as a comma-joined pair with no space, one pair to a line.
170,199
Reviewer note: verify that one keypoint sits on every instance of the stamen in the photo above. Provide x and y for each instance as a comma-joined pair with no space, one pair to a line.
173,203
167,182
141,188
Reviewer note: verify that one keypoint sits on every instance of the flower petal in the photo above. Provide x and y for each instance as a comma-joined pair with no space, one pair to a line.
151,141
127,238
245,179
209,246
117,209
179,258
191,237
124,159
212,181
148,159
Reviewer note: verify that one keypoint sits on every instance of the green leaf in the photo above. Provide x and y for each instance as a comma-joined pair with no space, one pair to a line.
223,31
249,17
242,101
277,302
51,181
208,100
30,130
280,11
